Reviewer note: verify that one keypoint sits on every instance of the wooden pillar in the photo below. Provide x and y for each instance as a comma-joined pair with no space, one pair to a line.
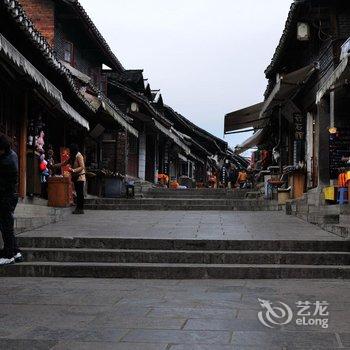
322,134
280,137
22,157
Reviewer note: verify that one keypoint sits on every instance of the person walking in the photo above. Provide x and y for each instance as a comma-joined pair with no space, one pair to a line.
232,176
8,202
77,170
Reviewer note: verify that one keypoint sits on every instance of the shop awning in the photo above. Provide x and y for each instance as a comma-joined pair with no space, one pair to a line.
340,75
118,118
286,87
171,135
254,140
22,65
244,118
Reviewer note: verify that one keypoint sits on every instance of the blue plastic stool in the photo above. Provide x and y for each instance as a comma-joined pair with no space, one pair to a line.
342,197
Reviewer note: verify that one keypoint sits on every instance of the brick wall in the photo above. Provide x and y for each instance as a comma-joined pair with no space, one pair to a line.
42,13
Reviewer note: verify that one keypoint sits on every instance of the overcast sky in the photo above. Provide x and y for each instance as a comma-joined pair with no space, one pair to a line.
207,56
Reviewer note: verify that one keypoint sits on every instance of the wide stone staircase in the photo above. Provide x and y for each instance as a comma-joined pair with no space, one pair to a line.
180,259
190,199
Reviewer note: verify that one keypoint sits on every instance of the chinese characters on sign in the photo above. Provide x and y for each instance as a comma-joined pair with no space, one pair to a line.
299,126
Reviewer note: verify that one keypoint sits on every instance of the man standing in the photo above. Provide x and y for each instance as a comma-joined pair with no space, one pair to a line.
8,202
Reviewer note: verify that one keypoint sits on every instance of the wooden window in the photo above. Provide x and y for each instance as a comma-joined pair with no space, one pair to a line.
133,144
95,75
69,52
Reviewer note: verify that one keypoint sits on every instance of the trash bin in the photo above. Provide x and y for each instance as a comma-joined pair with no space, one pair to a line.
60,192
113,187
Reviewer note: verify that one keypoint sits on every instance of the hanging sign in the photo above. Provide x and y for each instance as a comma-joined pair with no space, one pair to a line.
299,130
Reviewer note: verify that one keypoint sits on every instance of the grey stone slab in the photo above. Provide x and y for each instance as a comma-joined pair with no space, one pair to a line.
221,347
211,225
131,322
178,337
345,338
108,346
14,344
286,339
224,325
45,315
94,334
193,313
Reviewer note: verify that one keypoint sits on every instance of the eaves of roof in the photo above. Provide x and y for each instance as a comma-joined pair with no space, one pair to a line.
102,97
99,39
198,130
18,15
287,32
143,100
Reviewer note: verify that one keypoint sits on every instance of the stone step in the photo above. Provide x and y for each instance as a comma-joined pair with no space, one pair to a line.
184,244
169,193
173,271
179,201
344,219
182,204
185,256
31,216
342,230
159,207
29,223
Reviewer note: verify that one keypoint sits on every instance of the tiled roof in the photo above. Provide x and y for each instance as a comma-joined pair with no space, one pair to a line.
285,37
131,76
199,130
96,33
16,12
142,99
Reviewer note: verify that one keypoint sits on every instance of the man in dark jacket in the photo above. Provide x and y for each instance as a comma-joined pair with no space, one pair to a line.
8,202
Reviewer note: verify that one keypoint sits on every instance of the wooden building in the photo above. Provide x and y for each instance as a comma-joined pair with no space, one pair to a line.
304,115
37,94
61,83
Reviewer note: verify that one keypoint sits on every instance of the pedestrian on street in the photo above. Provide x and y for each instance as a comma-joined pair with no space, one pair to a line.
242,178
233,175
8,202
77,170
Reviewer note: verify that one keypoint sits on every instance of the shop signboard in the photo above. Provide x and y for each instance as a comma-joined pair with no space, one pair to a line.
299,129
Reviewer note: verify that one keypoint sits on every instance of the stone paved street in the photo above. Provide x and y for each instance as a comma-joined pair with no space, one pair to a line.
84,314
185,225
89,314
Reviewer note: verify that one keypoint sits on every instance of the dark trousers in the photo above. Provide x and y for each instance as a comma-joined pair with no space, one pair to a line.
79,189
7,209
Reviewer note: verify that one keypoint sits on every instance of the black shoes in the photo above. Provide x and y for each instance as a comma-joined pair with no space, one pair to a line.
18,257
